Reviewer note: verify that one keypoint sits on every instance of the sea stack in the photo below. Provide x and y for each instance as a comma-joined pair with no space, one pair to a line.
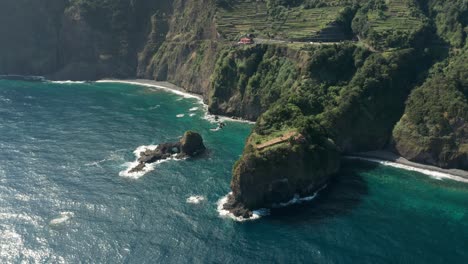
190,145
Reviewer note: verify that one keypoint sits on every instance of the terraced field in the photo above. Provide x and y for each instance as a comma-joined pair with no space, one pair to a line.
397,17
252,17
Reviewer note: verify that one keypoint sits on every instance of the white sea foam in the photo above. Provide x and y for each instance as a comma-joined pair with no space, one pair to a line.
209,117
193,109
433,174
64,216
178,92
298,200
196,199
192,114
217,119
67,82
215,129
5,100
180,115
154,107
130,165
256,214
148,167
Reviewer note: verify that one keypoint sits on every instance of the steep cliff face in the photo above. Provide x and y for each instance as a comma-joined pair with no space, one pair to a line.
248,80
325,99
434,128
188,54
79,39
30,36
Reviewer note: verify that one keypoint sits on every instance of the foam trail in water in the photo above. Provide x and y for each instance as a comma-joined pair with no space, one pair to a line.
196,199
180,115
64,216
193,109
298,200
433,174
193,115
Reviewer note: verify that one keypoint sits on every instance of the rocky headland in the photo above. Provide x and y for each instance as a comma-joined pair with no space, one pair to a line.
387,85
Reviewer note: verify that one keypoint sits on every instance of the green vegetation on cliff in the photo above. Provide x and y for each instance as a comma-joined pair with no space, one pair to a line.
343,96
434,127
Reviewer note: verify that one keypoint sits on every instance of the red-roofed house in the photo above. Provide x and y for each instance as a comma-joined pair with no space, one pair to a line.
246,41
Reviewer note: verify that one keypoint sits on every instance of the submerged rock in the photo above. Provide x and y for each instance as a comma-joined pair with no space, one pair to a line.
190,145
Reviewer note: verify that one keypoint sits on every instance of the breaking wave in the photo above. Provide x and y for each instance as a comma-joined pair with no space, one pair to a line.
433,174
196,199
148,167
256,214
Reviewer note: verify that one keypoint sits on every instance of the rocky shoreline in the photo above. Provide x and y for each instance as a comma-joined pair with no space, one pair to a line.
167,86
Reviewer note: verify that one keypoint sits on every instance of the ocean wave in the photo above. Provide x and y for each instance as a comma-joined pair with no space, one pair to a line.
130,165
217,119
193,109
148,167
433,174
114,156
178,92
5,100
64,217
191,115
68,82
256,214
196,199
297,199
180,115
209,117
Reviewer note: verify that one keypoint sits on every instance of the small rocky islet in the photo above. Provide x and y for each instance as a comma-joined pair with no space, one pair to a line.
190,145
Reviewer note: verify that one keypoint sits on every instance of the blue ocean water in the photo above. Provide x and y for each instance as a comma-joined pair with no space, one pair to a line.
62,200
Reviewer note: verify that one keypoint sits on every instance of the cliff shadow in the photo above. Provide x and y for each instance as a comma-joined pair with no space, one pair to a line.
342,195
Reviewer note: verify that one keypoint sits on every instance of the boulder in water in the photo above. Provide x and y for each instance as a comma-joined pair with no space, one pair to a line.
191,144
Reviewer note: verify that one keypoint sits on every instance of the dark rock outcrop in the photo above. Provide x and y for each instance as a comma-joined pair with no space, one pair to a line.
274,175
190,145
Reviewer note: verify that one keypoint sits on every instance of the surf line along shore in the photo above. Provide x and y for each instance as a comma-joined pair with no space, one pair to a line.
383,157
390,159
166,86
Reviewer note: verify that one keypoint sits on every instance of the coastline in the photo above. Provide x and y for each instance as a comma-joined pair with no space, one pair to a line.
390,159
383,157
169,87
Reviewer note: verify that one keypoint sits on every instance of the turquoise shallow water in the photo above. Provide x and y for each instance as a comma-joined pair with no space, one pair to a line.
62,200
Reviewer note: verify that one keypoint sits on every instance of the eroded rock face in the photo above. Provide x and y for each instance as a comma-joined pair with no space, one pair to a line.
190,145
275,175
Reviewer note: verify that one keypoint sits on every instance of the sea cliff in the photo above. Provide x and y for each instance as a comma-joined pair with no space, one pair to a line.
391,76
